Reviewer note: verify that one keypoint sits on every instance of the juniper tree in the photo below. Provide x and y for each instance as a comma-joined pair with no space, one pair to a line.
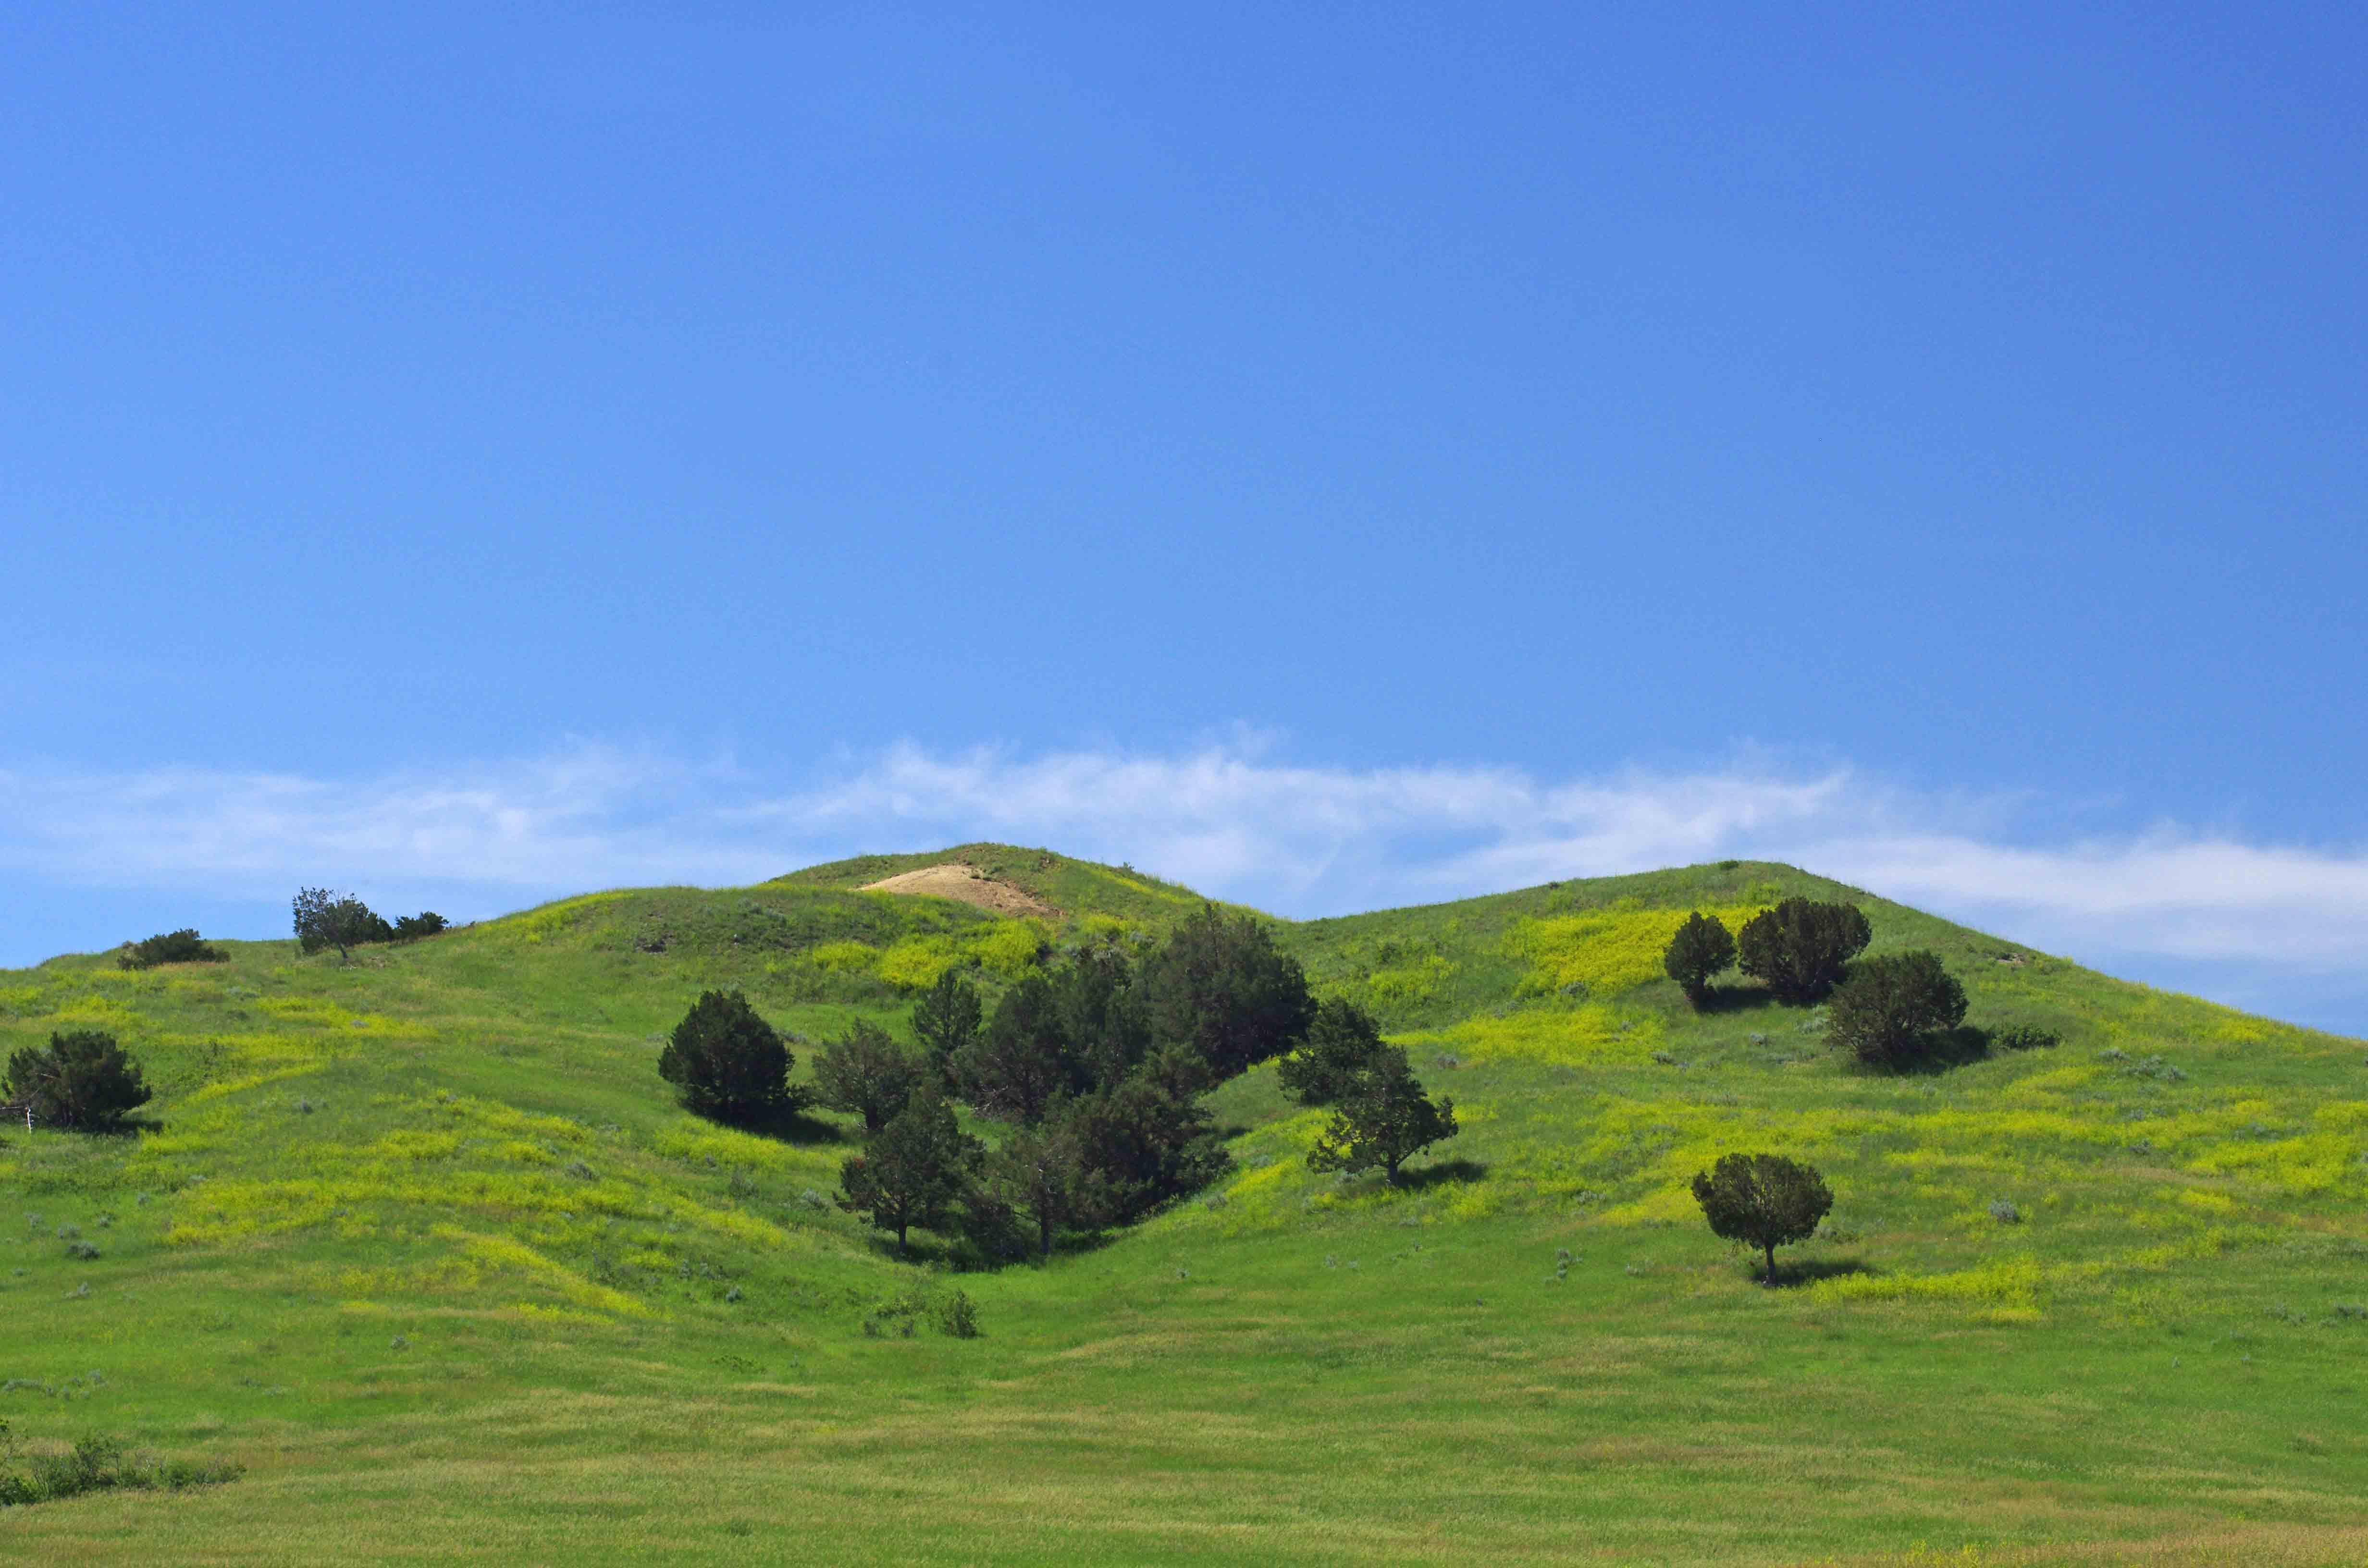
945,1019
867,1072
83,1081
1021,1060
1763,1201
1800,948
728,1063
1383,1119
1220,984
1042,1175
1701,948
1888,1011
913,1170
1342,1042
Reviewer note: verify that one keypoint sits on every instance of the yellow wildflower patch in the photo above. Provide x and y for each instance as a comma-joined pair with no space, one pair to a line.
1575,1036
1607,950
2010,1283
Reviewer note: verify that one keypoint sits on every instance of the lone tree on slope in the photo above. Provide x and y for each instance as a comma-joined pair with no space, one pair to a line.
83,1081
326,919
1385,1119
1763,1201
1701,948
1800,948
728,1063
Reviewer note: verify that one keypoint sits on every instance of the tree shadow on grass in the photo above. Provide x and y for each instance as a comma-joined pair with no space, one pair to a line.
799,1126
1944,1050
1794,1273
1440,1173
1735,999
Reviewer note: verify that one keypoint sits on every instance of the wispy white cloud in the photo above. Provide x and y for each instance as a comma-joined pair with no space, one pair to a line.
1302,840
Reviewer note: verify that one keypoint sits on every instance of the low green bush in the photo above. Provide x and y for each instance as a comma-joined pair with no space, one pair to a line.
95,1464
184,946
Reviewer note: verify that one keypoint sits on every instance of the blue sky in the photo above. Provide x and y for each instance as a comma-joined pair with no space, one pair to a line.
1332,455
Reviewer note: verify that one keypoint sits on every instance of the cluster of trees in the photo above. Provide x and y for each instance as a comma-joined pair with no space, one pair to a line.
1095,1068
326,919
1890,1011
1097,1065
184,946
83,1081
1799,950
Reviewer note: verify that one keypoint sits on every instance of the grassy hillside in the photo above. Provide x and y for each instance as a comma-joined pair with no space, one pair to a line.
423,1244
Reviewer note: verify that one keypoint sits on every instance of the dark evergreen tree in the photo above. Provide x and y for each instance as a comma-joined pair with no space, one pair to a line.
1041,1174
1021,1060
84,1081
426,923
1146,1142
945,1019
1701,948
1762,1200
728,1063
1888,1010
1342,1045
1220,984
913,1170
1800,949
867,1072
1383,1119
1101,1014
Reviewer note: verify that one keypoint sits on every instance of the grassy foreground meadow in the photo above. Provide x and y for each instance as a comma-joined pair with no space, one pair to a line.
423,1244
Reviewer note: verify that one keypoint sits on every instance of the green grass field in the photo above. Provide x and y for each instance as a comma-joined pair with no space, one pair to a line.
423,1244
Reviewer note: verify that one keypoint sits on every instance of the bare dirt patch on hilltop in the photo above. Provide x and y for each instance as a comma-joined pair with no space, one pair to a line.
968,884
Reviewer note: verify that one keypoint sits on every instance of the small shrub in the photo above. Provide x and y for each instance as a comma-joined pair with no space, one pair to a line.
2026,1037
957,1315
184,946
2156,1068
96,1464
84,1251
2006,1214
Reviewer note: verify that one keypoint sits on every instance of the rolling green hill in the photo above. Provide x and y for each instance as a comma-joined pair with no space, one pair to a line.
423,1243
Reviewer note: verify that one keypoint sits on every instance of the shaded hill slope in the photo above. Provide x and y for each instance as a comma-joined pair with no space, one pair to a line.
423,1243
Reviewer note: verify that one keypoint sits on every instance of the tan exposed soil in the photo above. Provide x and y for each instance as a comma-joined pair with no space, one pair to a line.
969,885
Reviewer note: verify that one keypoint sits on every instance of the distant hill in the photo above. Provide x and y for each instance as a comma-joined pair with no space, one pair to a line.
423,1242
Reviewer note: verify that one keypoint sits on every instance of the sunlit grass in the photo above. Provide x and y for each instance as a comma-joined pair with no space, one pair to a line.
462,1280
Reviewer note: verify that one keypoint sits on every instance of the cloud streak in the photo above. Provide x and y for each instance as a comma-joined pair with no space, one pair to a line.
1302,840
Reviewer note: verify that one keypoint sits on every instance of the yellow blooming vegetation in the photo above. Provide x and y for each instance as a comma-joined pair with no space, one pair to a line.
1606,951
